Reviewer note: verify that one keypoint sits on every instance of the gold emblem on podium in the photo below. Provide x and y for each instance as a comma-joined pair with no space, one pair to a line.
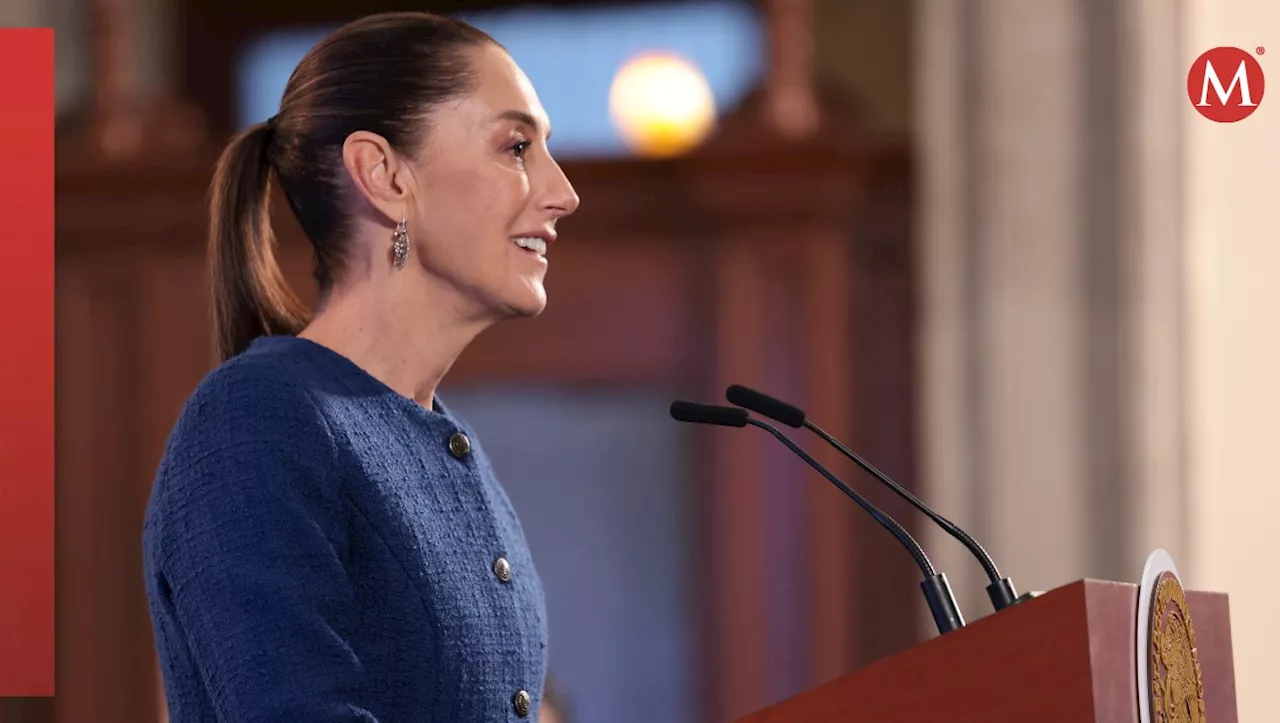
1177,690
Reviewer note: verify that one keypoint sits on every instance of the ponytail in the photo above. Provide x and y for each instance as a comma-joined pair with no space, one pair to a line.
340,86
250,296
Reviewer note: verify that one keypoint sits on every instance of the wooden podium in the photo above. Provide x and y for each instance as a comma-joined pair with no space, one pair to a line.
1068,656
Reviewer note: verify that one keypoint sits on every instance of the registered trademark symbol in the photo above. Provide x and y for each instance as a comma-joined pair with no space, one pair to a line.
1262,50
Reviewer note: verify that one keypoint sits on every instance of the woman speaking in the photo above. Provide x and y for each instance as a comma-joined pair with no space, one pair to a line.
325,541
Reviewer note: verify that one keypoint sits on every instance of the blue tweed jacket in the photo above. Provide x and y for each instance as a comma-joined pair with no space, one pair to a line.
320,548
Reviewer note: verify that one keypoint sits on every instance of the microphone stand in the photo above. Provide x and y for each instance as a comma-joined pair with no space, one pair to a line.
1000,590
937,590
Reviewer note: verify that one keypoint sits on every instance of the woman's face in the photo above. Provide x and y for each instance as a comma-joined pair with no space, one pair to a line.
488,194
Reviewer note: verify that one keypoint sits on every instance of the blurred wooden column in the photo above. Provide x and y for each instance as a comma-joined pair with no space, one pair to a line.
133,139
1051,273
780,559
785,295
791,102
127,121
793,113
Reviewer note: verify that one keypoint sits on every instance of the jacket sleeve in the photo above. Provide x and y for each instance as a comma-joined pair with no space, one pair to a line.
244,540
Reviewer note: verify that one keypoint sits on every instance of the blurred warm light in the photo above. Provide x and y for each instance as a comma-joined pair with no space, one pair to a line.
661,104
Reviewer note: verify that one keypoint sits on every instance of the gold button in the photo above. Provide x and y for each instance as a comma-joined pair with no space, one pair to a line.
522,703
502,569
459,445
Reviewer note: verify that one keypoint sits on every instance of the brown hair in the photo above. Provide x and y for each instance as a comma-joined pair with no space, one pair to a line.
385,74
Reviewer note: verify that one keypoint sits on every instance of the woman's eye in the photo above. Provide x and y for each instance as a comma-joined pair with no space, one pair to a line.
518,149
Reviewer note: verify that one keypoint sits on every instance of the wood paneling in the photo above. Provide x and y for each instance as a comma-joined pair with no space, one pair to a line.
736,567
881,372
103,645
829,393
617,313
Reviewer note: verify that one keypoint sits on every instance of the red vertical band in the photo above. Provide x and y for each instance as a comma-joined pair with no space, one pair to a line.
26,362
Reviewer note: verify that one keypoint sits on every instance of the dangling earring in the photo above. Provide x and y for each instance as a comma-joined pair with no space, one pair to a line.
400,247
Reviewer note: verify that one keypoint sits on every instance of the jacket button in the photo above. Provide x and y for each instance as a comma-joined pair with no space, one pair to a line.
459,445
522,703
502,569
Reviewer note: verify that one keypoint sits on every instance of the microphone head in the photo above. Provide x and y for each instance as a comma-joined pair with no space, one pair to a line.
695,413
765,405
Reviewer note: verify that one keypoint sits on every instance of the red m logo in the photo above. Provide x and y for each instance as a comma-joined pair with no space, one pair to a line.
1230,102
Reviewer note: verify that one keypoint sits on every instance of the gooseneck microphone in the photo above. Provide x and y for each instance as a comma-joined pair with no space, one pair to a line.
937,591
1001,590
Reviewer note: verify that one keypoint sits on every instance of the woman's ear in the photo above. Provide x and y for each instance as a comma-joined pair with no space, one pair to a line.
378,173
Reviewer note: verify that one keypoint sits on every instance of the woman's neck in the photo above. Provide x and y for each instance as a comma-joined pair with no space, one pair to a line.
407,344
